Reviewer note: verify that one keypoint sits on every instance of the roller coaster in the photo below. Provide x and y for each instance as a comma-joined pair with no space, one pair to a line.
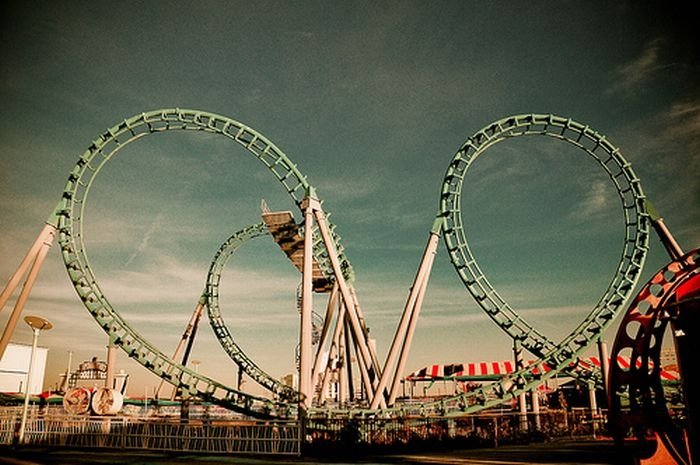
327,343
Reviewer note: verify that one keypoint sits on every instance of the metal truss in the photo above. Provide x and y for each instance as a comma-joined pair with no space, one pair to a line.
635,245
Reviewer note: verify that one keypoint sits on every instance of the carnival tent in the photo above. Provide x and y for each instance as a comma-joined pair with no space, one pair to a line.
487,371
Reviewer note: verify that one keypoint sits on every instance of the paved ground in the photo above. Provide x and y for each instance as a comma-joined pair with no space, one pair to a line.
561,452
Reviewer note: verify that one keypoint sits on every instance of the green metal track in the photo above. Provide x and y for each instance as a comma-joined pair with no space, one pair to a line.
556,357
70,213
211,296
635,243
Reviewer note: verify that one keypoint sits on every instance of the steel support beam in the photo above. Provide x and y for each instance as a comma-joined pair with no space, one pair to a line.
305,382
409,310
361,343
191,324
419,289
32,261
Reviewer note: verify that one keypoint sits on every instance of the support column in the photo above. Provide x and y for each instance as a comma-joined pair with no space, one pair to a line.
604,363
593,403
186,335
321,361
362,345
27,387
522,398
342,373
408,311
405,348
239,381
536,409
306,307
335,353
111,360
45,240
674,250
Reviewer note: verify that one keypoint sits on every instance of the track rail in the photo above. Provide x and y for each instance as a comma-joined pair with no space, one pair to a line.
635,245
553,357
70,214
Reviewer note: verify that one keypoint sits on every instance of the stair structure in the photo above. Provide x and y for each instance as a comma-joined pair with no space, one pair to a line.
285,232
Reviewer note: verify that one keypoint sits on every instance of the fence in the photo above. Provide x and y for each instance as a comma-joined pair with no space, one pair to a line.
56,429
232,437
485,430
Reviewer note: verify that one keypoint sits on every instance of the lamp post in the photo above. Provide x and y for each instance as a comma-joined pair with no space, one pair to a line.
37,323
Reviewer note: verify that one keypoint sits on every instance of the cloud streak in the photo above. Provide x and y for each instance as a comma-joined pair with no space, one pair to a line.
630,75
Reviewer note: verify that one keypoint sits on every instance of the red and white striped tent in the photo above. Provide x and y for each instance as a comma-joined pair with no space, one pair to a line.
484,371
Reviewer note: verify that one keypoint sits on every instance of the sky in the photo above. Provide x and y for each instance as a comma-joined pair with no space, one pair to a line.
370,100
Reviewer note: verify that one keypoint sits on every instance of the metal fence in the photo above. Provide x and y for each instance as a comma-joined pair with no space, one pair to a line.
227,437
487,430
54,428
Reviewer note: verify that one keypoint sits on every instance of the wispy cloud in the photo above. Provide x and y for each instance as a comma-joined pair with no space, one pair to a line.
155,225
685,120
596,202
631,74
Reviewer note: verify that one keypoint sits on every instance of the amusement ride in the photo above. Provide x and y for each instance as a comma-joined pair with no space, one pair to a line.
334,345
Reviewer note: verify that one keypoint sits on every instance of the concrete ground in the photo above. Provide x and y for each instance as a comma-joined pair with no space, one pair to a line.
589,452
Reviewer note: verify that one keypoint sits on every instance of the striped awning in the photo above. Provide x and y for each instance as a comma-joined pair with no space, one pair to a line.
494,370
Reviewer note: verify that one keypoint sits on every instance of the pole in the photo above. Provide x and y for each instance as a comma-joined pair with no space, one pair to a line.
306,308
522,398
325,332
47,236
186,335
362,347
25,409
409,309
403,356
536,408
37,323
604,363
674,250
593,405
111,361
66,383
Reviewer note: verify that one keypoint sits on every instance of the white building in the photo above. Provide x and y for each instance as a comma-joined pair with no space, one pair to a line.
14,366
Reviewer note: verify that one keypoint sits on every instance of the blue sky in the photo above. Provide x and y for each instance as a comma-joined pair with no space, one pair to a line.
370,100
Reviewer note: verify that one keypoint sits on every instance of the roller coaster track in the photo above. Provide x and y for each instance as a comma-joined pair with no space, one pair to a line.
211,297
555,357
69,216
636,240
216,320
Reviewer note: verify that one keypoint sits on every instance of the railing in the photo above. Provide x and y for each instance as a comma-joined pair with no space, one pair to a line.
485,430
233,436
209,436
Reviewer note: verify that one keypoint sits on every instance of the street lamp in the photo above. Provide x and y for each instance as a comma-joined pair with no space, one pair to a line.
37,323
